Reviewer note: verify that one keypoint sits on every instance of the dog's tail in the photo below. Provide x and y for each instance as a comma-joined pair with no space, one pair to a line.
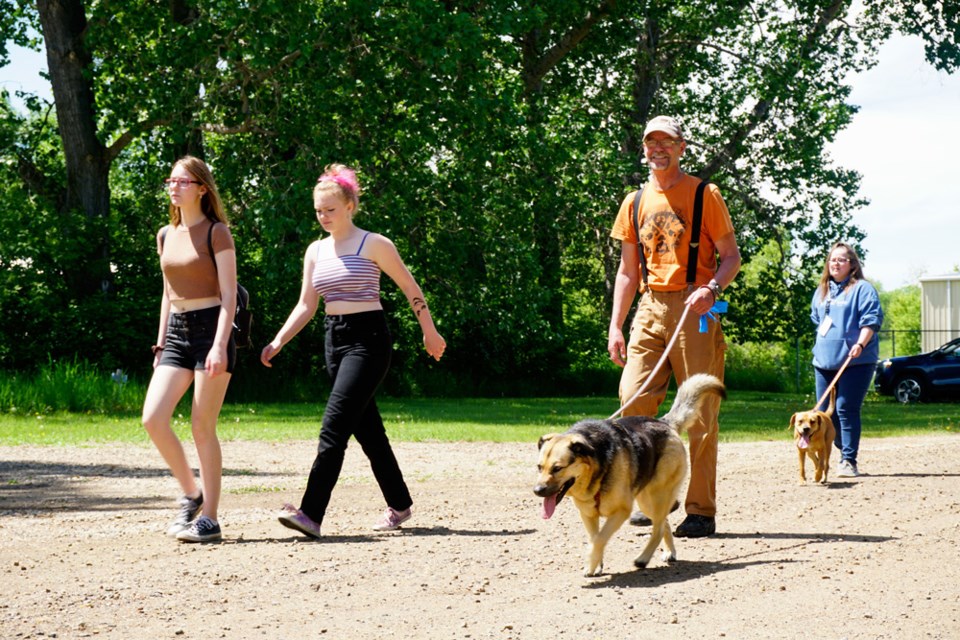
833,401
690,396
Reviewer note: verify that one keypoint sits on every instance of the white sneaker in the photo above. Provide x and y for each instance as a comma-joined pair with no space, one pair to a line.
847,469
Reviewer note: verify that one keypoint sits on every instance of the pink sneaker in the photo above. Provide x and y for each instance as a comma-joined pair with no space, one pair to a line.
293,518
392,519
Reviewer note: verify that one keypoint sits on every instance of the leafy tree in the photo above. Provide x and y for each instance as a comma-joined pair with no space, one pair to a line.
495,141
902,316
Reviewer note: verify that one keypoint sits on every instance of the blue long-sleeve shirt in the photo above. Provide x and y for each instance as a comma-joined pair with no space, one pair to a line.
849,311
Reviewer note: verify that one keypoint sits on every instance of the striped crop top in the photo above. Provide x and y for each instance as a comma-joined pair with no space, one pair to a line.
350,278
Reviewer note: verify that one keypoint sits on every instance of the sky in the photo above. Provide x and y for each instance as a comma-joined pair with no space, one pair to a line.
903,142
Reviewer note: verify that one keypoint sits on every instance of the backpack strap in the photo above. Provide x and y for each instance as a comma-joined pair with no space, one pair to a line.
243,297
210,246
693,255
636,228
163,237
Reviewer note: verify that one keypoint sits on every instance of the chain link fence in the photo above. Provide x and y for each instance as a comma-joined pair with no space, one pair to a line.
904,342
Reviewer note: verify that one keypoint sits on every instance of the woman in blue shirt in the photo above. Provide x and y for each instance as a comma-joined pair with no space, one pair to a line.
846,311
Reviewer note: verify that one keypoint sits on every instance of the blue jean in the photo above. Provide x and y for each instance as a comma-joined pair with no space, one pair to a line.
852,388
358,349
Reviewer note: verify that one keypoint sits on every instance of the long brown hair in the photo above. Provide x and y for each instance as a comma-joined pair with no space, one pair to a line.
856,268
210,203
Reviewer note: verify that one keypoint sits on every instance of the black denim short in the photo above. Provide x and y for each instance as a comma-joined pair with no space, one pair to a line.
190,337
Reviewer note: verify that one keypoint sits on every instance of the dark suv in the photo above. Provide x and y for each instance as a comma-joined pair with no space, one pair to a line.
921,377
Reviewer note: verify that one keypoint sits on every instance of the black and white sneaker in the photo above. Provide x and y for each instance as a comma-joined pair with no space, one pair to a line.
189,508
203,529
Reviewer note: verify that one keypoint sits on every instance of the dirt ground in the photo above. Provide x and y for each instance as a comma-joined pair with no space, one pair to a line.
83,552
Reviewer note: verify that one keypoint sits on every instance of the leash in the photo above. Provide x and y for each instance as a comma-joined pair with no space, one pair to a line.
717,308
826,391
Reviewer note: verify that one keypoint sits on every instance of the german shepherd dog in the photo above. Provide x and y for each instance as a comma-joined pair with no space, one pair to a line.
813,432
606,465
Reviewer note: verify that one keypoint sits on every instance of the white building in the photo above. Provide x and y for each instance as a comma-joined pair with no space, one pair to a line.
939,309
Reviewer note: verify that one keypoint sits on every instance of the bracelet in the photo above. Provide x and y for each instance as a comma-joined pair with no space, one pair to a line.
711,290
155,348
715,288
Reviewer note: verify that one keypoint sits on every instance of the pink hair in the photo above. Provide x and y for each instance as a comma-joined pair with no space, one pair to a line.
345,178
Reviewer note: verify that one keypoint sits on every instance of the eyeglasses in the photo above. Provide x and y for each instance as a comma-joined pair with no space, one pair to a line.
840,260
181,183
666,143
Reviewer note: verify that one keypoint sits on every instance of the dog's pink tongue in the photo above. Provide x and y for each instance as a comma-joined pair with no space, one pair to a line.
804,442
549,506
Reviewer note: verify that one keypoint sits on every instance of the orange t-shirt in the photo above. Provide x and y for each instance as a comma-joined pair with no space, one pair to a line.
665,228
188,268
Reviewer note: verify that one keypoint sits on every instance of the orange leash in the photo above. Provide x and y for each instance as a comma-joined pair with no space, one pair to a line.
663,358
826,391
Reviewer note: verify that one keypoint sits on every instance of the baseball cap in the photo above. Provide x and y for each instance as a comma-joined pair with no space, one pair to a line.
666,124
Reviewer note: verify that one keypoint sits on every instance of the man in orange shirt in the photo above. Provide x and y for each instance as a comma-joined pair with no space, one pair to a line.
664,215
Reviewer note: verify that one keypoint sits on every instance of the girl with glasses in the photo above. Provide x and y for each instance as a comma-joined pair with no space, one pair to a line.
194,341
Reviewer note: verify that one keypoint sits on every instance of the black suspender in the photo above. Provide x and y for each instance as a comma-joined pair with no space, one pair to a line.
693,254
636,228
695,235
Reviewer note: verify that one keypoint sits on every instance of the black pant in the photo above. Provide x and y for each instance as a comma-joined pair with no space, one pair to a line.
358,349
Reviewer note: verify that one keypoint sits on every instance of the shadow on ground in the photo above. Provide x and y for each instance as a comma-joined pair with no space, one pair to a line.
31,486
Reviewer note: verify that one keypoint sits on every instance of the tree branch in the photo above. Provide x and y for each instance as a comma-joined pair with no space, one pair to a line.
245,127
761,110
130,134
537,67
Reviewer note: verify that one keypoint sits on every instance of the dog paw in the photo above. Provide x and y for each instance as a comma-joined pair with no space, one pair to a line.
669,557
593,573
640,563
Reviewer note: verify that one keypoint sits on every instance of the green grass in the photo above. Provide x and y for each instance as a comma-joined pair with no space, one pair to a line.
745,416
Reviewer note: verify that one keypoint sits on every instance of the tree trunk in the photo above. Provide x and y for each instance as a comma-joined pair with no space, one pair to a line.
188,139
64,24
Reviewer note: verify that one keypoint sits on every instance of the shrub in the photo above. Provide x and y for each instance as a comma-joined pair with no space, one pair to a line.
69,386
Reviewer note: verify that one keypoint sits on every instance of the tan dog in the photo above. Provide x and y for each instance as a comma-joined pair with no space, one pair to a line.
814,432
606,465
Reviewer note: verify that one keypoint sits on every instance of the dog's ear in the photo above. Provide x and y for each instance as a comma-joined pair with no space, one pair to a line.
546,438
793,421
581,449
819,422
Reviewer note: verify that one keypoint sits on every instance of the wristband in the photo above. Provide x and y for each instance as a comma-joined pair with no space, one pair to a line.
714,287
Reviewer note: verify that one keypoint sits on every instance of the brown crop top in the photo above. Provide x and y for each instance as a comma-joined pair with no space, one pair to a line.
185,260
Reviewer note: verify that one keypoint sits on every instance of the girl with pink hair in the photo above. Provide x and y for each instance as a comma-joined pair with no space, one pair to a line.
344,270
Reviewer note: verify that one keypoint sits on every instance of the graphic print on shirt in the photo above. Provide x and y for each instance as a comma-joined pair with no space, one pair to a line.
661,232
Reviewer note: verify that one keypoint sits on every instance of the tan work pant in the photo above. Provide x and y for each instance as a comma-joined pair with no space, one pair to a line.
693,352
